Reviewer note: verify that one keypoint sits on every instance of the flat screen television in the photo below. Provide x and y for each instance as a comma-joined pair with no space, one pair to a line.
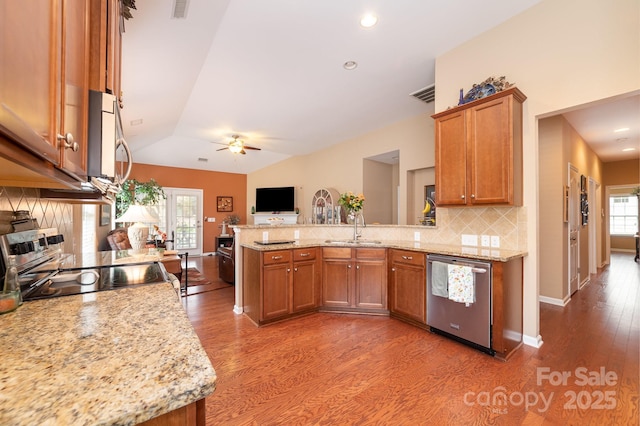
271,200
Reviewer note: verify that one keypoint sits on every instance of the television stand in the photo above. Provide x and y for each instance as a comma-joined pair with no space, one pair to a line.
263,218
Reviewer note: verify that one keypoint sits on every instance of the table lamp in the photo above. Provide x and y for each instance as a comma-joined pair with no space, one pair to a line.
138,232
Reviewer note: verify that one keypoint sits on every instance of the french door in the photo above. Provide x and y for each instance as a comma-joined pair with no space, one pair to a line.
180,217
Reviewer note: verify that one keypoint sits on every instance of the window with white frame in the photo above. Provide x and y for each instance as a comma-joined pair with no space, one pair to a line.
623,214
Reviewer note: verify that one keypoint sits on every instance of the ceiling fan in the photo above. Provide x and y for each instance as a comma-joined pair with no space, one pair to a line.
237,146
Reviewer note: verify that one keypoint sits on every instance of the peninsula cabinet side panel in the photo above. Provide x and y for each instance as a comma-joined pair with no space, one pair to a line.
251,272
507,307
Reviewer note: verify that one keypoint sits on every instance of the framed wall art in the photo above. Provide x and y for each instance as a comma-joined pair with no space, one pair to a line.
105,214
225,204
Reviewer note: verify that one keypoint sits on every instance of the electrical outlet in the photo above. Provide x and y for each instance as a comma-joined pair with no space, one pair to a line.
416,236
495,241
469,240
485,241
265,236
211,219
296,234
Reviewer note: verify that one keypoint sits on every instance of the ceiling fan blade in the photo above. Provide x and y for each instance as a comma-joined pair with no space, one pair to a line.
222,149
252,147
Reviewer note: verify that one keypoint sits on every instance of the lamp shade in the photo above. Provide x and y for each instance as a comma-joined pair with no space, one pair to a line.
138,213
138,232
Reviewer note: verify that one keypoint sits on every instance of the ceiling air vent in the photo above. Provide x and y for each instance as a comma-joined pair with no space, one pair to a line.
203,160
180,9
428,94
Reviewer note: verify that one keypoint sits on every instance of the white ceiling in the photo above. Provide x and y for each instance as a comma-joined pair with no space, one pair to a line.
271,71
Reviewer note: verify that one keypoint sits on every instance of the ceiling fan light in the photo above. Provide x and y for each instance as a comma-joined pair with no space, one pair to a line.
236,147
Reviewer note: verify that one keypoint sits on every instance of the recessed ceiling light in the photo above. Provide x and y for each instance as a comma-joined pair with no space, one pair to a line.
622,129
368,21
628,149
350,65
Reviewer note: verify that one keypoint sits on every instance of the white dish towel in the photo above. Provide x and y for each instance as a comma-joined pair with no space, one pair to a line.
461,284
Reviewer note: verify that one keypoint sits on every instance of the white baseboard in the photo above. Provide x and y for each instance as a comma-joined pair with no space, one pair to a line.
536,342
237,309
554,301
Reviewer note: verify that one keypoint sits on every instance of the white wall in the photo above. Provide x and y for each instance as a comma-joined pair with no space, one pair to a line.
560,53
341,166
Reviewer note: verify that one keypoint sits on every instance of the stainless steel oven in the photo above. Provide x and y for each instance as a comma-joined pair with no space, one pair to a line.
468,321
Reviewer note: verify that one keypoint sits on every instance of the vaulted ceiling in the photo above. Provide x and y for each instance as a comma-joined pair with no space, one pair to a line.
272,72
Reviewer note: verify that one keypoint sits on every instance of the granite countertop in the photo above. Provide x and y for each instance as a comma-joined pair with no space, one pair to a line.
483,253
113,357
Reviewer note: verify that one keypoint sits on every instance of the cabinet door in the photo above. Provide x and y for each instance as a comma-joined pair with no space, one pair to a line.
336,277
451,164
28,39
74,92
275,291
305,286
371,284
408,291
490,153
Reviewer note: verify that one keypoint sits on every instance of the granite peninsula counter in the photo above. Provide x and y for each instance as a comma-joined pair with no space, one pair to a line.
112,357
483,253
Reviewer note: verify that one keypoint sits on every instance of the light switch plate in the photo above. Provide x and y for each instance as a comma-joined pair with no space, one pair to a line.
296,234
495,241
265,236
416,236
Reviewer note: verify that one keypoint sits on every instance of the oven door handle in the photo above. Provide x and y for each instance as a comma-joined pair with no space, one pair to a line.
478,270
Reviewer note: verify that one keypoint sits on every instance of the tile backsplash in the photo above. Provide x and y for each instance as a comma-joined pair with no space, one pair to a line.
508,223
48,213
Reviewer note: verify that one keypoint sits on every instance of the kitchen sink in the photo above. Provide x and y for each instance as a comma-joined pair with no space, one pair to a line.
354,242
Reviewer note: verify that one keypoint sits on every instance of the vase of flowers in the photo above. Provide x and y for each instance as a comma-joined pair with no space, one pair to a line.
352,204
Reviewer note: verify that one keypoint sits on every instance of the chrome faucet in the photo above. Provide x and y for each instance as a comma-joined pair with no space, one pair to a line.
356,234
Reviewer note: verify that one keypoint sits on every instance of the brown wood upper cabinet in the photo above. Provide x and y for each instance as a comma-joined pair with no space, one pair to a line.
106,47
44,83
479,152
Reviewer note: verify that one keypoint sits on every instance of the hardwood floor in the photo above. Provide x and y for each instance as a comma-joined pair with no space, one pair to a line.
354,369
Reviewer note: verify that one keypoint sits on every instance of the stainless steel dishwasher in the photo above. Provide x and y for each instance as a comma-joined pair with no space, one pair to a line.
468,323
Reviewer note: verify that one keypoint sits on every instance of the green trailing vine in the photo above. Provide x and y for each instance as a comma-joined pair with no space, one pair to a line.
144,193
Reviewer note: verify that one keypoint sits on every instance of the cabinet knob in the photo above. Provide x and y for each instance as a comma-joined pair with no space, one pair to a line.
473,196
349,266
295,269
462,197
276,257
69,143
304,254
357,266
393,269
407,257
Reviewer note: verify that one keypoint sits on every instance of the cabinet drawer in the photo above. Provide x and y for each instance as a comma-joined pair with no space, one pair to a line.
371,253
336,253
408,257
304,254
278,256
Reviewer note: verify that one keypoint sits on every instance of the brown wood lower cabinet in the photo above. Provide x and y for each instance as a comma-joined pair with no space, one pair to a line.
280,283
408,286
354,279
189,415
